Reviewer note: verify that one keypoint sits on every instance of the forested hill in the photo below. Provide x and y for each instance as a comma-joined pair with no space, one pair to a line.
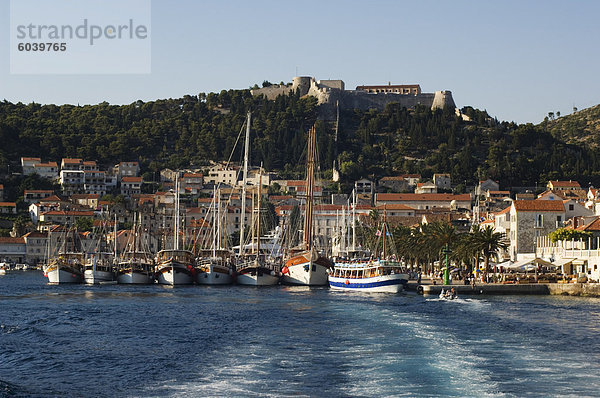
580,127
195,129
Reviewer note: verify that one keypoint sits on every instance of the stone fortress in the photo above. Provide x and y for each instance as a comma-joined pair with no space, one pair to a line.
332,92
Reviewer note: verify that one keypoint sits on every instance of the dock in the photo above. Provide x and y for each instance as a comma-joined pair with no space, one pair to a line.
564,289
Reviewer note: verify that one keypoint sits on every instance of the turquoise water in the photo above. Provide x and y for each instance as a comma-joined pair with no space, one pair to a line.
118,340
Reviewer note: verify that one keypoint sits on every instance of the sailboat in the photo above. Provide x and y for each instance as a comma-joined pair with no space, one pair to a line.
99,266
306,266
136,265
175,266
67,265
214,268
254,269
370,275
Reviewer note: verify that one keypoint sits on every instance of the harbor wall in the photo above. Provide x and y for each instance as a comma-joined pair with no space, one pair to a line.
565,289
575,289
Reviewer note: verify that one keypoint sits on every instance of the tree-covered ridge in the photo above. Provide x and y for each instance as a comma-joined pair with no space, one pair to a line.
580,127
195,129
162,133
440,141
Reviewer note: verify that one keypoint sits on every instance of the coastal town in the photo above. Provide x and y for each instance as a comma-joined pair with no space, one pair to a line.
110,201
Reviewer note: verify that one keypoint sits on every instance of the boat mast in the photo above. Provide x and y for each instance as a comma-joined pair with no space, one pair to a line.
244,180
219,232
258,212
176,225
115,232
214,223
354,219
310,180
384,231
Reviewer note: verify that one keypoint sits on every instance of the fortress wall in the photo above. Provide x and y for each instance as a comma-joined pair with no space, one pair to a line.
362,100
335,84
272,92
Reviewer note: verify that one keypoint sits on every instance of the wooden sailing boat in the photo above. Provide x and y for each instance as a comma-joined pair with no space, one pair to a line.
254,269
306,266
67,265
99,265
214,267
136,265
175,266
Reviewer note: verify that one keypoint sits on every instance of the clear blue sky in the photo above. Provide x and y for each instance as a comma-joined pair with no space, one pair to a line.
517,59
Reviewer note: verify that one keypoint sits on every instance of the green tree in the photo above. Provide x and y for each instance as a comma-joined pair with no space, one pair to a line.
564,234
84,224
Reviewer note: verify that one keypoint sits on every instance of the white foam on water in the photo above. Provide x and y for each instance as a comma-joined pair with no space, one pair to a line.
450,367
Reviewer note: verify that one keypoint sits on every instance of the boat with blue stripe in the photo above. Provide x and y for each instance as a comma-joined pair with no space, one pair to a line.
368,275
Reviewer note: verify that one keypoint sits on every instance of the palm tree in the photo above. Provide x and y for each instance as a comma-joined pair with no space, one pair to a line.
443,237
488,243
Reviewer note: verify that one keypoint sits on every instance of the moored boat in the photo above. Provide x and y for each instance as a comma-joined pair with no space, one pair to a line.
99,268
368,275
135,268
257,272
214,270
136,265
175,267
306,267
65,268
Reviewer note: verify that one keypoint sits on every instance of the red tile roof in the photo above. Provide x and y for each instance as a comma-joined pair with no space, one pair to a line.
8,240
565,184
69,213
394,206
539,205
592,226
131,179
8,204
406,197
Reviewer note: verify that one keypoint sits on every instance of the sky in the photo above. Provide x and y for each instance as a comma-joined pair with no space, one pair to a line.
518,60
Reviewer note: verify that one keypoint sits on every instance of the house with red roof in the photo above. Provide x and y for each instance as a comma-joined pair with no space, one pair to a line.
8,208
13,250
531,219
131,186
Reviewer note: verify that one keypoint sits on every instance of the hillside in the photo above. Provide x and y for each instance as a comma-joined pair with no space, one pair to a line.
581,127
197,129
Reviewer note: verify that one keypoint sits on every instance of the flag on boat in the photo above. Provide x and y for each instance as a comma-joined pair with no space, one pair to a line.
378,233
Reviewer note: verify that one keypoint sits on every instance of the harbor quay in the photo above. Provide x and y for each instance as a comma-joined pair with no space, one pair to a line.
565,289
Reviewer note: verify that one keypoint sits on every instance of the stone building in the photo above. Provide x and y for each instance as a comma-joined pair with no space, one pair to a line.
530,219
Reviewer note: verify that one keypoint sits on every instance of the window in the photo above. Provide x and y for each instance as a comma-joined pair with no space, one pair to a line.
558,218
571,207
539,221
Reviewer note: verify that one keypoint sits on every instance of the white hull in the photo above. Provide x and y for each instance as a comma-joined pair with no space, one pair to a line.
213,277
135,278
92,277
63,276
168,275
257,280
385,283
308,274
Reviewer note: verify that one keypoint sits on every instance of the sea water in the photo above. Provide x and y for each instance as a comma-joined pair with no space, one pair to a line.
155,341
